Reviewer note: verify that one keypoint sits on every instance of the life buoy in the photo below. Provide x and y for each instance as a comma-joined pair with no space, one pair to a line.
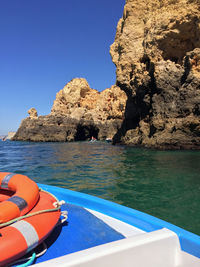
21,237
18,195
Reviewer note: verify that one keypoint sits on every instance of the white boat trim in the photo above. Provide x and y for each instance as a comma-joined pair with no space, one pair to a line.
160,248
124,228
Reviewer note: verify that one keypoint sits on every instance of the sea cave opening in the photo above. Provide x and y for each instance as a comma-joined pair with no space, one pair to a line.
85,132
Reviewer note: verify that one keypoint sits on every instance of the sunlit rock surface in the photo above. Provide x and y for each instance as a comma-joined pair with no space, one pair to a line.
78,113
156,100
33,113
157,56
79,101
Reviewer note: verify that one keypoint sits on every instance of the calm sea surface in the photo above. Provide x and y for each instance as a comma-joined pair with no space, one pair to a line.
165,184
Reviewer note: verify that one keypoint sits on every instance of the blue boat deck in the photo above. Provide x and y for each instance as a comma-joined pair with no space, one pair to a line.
82,230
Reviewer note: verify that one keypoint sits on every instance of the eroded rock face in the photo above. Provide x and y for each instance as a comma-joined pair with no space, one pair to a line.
157,55
79,101
33,113
72,96
78,113
156,99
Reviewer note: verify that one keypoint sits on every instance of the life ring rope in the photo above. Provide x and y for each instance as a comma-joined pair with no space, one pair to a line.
30,259
22,231
57,204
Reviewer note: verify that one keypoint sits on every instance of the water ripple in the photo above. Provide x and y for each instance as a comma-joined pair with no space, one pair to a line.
165,184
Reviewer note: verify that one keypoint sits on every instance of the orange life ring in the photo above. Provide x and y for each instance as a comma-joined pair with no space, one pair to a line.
19,197
21,237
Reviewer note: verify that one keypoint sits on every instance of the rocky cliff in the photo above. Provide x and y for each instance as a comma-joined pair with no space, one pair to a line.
77,100
156,99
157,56
78,113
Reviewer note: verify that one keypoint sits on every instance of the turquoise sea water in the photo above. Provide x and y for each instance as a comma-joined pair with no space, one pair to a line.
165,184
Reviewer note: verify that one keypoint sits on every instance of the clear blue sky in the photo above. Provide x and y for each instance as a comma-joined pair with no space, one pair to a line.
46,43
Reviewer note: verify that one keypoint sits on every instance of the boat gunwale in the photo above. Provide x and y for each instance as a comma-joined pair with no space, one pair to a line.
189,242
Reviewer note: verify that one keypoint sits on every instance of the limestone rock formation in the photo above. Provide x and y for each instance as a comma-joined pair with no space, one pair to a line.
156,99
47,128
10,135
78,113
72,96
79,101
33,113
157,55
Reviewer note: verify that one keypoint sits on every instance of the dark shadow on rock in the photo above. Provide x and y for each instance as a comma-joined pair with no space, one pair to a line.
139,106
85,132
